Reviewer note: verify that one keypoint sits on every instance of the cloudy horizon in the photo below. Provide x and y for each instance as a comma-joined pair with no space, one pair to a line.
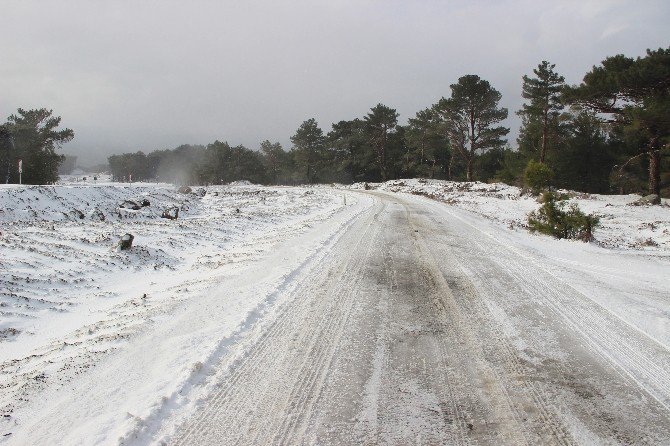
129,76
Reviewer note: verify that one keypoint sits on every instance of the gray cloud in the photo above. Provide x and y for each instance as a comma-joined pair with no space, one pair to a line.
132,76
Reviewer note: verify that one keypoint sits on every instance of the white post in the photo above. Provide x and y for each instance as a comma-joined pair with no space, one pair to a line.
20,170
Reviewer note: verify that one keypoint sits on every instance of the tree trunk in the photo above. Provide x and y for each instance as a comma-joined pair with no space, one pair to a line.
382,162
543,149
655,174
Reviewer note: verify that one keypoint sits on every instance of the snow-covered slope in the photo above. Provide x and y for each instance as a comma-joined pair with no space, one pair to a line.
69,297
623,225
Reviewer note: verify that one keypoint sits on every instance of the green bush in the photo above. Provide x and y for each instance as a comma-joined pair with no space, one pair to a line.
554,219
537,176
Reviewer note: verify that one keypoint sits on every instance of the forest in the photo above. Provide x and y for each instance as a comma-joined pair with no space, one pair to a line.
608,134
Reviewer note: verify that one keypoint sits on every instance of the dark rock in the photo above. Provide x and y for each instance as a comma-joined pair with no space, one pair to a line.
200,192
145,203
96,214
184,190
171,213
129,204
126,242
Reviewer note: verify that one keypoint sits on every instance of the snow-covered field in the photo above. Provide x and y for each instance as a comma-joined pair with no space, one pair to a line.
623,225
70,298
132,331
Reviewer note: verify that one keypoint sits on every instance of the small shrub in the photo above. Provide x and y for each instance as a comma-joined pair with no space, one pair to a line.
554,219
537,176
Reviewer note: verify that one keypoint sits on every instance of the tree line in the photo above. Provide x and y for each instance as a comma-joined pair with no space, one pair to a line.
610,133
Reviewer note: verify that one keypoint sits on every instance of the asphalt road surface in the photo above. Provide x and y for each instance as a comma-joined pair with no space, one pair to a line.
417,328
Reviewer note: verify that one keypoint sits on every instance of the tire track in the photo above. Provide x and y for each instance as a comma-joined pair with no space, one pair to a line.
463,322
639,360
317,317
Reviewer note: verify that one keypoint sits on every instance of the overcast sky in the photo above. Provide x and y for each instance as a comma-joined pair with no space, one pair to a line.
140,75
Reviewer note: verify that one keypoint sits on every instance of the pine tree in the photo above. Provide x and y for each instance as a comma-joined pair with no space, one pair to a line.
308,147
585,161
634,96
33,136
540,115
424,141
352,156
380,124
469,116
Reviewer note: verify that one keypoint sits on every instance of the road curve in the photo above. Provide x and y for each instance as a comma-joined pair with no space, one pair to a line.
416,328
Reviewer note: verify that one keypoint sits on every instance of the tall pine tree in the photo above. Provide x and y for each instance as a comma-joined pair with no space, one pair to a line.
380,125
540,114
470,116
424,141
634,96
308,147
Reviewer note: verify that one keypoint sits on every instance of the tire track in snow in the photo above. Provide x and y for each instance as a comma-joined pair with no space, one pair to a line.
238,392
450,300
636,356
285,286
643,359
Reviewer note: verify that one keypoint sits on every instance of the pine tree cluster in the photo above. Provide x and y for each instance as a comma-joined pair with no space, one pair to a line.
609,134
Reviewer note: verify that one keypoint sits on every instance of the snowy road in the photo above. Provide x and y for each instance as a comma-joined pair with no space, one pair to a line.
419,325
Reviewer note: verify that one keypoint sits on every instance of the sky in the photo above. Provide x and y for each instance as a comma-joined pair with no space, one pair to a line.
147,75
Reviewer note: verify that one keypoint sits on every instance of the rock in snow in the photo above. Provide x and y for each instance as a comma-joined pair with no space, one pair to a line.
171,213
126,242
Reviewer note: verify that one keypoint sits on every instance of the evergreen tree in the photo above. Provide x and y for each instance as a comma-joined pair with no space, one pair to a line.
308,147
585,161
511,168
380,125
6,153
540,115
489,163
634,95
469,117
129,167
33,137
277,162
353,156
425,141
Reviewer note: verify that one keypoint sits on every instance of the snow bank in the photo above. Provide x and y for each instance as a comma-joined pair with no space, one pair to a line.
68,297
622,225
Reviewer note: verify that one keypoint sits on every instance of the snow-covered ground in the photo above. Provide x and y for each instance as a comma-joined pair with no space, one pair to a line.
623,225
626,269
70,299
116,339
